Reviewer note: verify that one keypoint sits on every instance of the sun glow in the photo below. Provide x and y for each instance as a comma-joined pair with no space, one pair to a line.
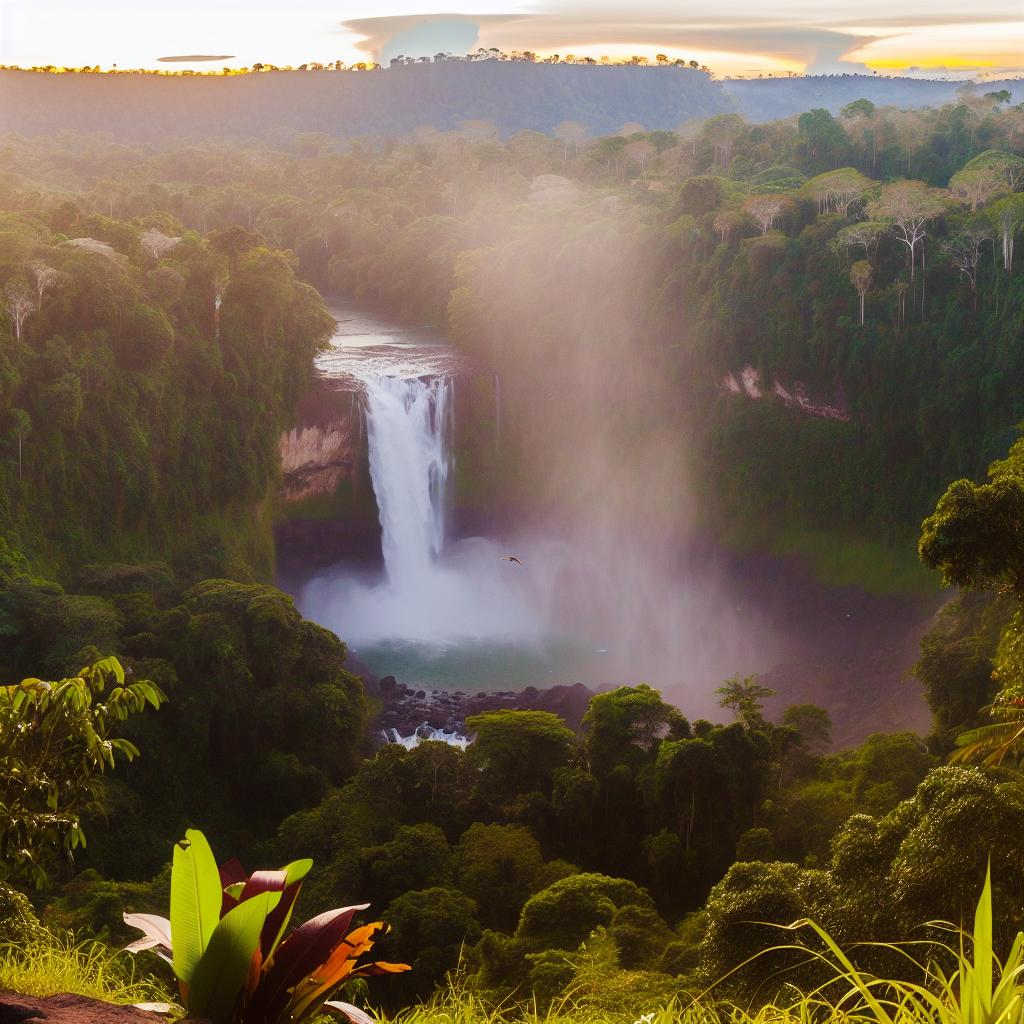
941,47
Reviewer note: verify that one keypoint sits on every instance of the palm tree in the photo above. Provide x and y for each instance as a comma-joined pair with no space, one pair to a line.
990,745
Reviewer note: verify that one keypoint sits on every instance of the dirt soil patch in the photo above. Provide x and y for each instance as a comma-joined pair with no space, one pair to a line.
70,1009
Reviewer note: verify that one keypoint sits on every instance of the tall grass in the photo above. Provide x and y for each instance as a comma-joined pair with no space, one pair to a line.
50,964
963,982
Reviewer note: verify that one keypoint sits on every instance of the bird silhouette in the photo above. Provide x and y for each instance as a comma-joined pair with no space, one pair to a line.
513,559
12,1013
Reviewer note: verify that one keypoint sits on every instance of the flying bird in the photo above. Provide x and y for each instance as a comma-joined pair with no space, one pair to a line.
512,558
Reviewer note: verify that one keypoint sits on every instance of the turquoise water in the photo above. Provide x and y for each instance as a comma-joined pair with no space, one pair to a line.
487,665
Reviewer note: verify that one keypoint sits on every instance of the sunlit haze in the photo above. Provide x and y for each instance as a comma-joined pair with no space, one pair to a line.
734,37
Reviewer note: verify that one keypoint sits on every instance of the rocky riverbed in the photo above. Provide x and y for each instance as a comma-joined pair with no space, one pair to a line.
405,709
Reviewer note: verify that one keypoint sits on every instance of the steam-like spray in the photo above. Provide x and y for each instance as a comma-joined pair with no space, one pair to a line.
602,597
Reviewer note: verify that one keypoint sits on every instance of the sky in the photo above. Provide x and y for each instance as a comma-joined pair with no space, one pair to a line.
979,38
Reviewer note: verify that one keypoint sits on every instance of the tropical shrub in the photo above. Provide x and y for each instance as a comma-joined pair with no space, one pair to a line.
56,741
228,942
18,921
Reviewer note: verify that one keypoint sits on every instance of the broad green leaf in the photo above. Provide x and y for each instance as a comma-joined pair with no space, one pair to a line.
297,870
126,747
195,902
220,975
111,665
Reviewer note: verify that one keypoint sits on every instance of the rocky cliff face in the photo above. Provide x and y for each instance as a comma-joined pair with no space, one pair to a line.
326,510
315,459
323,448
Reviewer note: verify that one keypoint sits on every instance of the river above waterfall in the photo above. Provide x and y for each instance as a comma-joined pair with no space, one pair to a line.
367,346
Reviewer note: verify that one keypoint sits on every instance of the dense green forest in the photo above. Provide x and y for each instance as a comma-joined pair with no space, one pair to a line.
820,318
744,242
134,356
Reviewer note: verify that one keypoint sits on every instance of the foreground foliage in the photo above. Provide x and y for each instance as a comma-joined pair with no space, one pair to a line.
974,539
50,965
960,979
230,656
229,943
56,742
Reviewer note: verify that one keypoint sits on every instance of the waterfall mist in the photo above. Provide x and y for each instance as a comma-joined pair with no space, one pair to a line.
588,457
596,417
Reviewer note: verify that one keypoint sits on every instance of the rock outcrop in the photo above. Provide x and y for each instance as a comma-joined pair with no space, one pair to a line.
405,708
324,446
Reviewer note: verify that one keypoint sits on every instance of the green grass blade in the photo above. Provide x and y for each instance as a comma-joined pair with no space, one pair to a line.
982,968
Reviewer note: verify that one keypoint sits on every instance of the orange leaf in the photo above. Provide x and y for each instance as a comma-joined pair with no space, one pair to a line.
341,963
378,968
255,967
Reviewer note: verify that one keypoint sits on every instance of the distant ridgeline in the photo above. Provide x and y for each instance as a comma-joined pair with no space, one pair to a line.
763,99
513,95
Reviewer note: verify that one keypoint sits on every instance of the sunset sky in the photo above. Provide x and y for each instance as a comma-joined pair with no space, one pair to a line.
733,37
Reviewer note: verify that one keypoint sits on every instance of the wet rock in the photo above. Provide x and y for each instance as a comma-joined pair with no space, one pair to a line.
407,711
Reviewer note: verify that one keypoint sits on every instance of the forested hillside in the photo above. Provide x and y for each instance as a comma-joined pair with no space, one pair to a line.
767,99
134,355
514,95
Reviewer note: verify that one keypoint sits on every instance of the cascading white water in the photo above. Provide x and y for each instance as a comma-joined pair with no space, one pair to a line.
407,432
432,593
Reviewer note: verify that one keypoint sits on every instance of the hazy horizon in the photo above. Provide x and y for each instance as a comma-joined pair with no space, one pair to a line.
738,38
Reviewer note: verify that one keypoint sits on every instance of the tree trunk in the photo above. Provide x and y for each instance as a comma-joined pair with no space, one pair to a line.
924,279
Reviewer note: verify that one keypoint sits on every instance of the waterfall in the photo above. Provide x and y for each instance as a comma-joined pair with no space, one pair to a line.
408,425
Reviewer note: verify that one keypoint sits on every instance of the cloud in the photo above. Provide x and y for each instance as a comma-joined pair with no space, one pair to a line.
819,49
382,34
924,19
